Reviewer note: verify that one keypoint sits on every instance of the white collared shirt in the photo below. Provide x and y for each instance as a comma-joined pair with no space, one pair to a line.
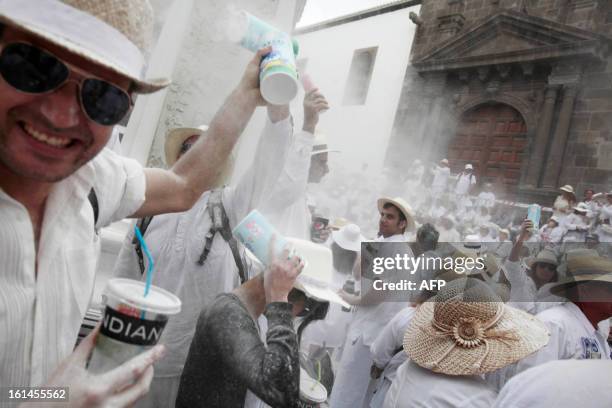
560,384
369,320
44,296
288,211
385,348
523,292
415,386
572,336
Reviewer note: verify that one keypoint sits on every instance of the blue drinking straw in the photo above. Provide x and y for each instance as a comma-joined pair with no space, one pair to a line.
144,247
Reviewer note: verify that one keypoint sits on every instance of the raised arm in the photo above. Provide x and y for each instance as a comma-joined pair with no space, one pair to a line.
178,188
269,159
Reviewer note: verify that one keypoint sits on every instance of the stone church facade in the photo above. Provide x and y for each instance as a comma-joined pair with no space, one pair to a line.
522,89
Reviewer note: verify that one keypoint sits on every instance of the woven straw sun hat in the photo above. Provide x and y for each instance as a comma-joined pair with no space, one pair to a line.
466,330
403,206
114,34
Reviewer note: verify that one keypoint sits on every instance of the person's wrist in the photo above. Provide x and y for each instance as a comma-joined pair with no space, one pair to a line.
246,96
309,127
278,297
278,113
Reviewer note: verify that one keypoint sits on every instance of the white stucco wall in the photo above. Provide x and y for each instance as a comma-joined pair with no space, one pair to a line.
361,132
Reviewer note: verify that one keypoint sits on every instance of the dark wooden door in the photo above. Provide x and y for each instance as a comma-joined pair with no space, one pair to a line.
493,138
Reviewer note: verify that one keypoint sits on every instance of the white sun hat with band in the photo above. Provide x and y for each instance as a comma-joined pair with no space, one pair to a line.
349,237
114,34
320,144
467,330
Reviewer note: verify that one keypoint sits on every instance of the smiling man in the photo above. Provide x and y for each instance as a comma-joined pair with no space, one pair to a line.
68,72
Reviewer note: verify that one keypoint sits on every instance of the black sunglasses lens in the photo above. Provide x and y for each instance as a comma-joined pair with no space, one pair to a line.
103,102
30,69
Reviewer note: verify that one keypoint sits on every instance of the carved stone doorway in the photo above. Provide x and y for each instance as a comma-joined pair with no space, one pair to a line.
492,137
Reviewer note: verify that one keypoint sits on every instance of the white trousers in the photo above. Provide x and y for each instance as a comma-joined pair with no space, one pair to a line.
353,376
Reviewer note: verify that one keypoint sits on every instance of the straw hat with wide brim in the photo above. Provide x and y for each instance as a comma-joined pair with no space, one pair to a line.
175,139
403,206
582,269
467,330
568,189
114,34
349,238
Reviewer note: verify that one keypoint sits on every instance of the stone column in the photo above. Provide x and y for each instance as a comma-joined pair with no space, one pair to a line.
536,157
554,162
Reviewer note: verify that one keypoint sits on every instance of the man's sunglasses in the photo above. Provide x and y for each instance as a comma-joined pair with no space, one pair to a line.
31,70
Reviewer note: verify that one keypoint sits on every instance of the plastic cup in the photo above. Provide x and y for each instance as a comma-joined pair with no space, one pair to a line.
278,81
534,212
255,233
132,323
278,72
312,392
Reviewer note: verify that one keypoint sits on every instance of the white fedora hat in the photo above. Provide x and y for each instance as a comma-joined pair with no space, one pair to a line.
114,34
320,144
581,207
469,167
349,237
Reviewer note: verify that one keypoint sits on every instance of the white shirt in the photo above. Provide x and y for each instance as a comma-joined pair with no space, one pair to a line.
416,387
523,292
486,199
572,336
449,235
560,384
369,320
40,313
289,212
441,176
464,182
384,350
576,228
176,241
552,235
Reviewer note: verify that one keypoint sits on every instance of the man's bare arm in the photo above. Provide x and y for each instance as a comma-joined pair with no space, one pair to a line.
178,188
